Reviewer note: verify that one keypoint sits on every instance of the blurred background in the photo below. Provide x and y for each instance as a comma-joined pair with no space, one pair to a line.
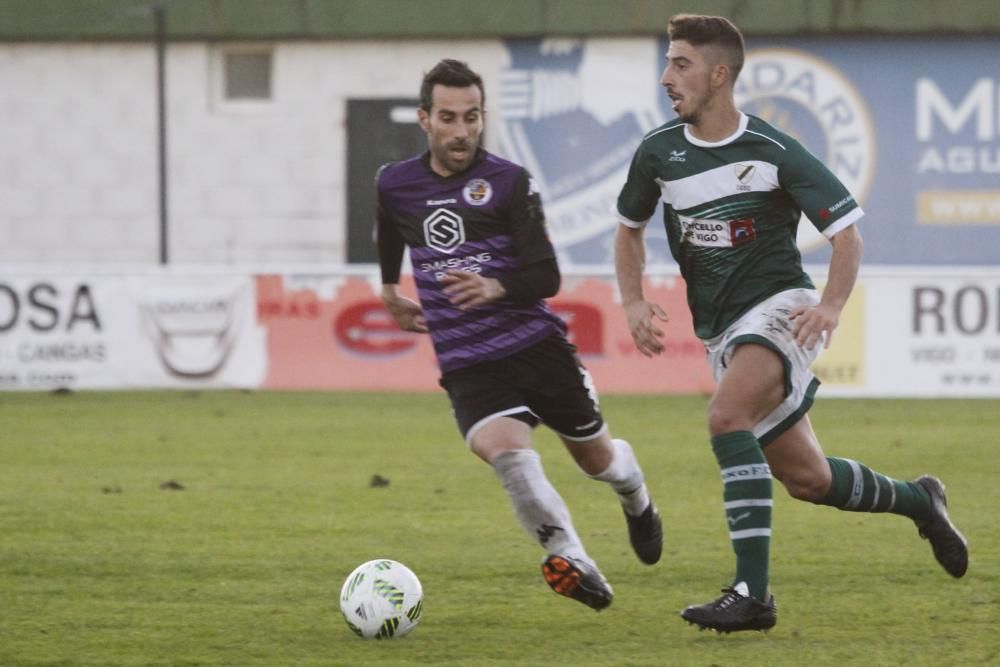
186,186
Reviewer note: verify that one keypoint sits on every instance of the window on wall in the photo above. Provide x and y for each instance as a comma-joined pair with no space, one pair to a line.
244,78
248,76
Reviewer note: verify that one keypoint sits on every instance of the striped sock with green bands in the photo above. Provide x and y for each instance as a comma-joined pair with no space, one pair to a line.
747,493
855,487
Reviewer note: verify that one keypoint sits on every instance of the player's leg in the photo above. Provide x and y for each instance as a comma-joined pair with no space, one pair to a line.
750,388
797,461
505,444
565,398
613,462
763,385
496,422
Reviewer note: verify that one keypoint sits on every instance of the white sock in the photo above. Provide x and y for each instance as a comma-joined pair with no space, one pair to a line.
537,504
624,475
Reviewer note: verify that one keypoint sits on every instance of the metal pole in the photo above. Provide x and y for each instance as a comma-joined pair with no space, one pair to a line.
160,22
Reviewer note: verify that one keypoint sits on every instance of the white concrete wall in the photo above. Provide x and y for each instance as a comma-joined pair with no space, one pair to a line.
266,185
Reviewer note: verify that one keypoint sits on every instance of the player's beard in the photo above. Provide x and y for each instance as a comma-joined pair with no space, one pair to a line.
695,106
456,162
693,114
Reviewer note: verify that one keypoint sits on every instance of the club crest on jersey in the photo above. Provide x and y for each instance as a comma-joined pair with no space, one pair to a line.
477,192
444,230
744,172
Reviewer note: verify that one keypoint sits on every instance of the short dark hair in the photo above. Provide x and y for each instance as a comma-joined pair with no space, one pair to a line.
714,30
451,73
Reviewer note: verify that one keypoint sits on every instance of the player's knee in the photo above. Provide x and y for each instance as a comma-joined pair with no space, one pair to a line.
808,485
594,457
722,419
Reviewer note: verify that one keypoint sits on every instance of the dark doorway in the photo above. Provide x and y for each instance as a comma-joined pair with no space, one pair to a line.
378,131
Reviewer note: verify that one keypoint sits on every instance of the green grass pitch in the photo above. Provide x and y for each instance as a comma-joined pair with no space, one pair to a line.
103,563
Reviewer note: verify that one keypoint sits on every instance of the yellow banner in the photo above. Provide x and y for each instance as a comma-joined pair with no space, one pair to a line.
958,207
843,365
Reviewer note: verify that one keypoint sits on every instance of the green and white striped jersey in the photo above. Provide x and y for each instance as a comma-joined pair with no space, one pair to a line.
732,209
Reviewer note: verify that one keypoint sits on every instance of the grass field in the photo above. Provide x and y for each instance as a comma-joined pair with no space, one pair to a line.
242,565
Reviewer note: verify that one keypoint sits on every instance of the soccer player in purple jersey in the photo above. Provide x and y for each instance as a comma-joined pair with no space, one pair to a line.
483,265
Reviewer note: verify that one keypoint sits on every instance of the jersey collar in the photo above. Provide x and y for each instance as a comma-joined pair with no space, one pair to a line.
476,159
714,144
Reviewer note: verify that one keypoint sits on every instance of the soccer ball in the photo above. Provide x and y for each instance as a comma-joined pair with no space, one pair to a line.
381,599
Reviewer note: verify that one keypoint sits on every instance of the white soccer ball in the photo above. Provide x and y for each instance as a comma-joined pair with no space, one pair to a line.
381,599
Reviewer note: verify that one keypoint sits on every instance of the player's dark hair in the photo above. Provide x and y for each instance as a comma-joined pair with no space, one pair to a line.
713,30
451,73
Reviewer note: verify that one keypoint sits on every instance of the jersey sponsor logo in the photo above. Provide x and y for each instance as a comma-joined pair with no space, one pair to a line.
444,230
742,231
827,212
811,100
469,263
678,156
717,233
477,192
441,202
705,233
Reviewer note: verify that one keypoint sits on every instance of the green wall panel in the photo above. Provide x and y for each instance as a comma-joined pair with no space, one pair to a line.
35,20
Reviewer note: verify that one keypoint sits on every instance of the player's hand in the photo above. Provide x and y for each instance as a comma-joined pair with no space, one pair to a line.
408,314
645,334
468,290
812,324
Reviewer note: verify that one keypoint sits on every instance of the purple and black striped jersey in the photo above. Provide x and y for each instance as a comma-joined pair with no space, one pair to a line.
487,219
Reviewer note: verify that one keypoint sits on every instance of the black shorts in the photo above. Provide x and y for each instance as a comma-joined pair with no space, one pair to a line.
545,383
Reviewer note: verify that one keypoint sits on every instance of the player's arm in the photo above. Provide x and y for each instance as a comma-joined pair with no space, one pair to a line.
815,188
531,283
637,202
630,264
538,275
407,313
810,325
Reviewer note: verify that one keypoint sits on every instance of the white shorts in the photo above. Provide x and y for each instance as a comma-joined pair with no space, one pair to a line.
767,324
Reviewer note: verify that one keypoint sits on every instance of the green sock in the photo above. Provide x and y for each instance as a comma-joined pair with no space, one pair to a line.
746,490
857,488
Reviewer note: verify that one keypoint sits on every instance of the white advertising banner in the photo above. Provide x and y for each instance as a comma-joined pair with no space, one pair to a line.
920,334
935,335
904,333
113,332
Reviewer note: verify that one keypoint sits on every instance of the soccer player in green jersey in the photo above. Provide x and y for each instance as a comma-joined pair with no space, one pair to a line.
734,189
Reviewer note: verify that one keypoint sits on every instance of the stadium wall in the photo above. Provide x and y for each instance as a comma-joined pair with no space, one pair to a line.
911,126
261,194
437,19
42,20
